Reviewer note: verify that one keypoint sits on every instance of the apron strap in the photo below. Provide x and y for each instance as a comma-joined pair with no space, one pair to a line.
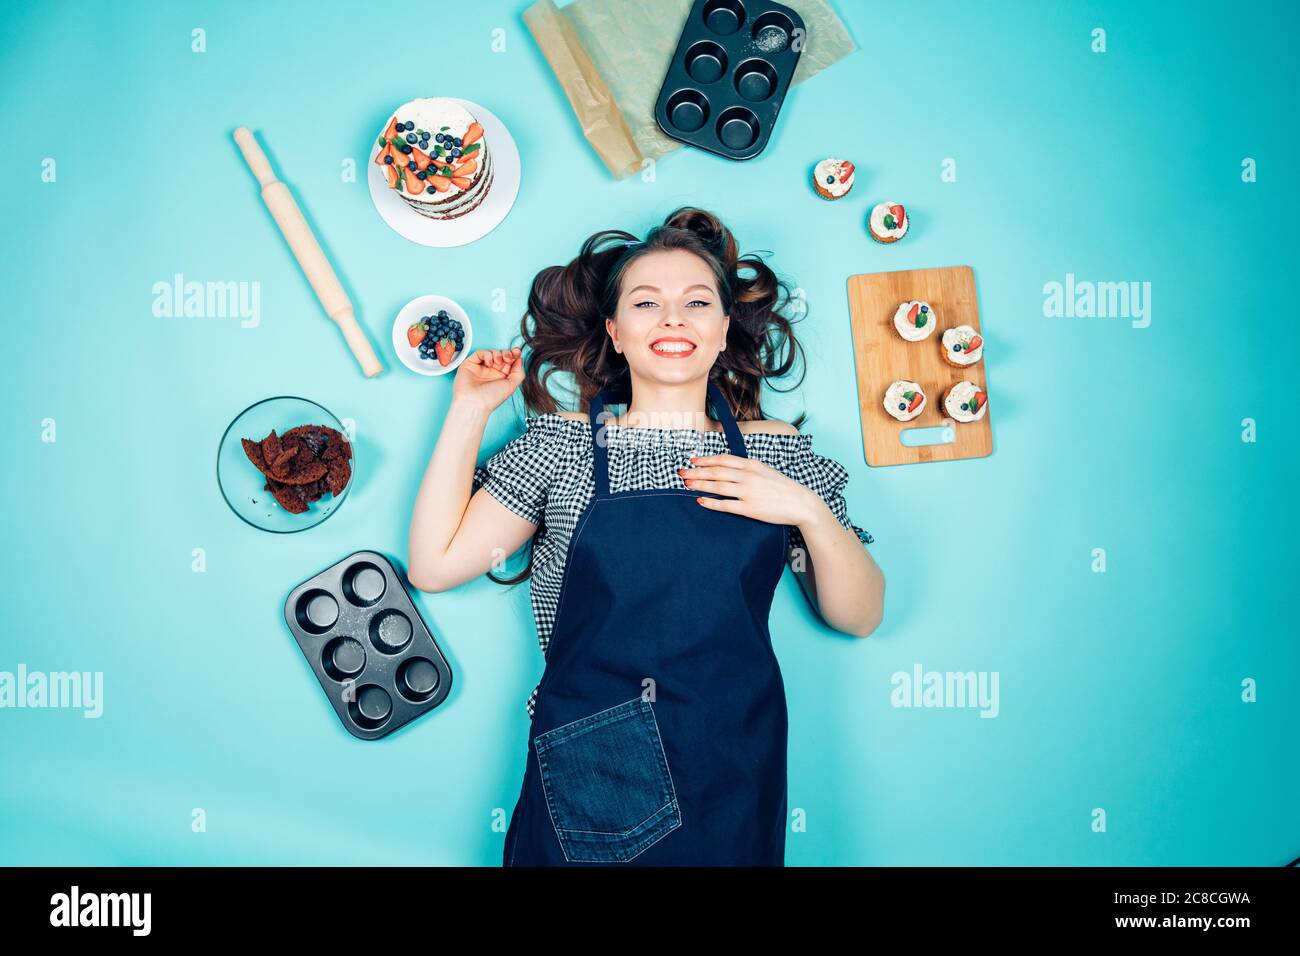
600,439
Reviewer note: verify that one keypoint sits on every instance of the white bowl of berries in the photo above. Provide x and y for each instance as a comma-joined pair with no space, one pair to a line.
432,335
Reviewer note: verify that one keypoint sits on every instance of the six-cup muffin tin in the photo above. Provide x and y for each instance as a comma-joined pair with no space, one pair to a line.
729,75
371,651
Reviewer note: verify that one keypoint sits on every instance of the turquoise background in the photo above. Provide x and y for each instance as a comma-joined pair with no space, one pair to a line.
1119,691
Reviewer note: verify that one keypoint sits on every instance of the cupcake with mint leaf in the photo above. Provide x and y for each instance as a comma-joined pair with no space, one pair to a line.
915,321
962,346
833,178
888,221
965,402
904,400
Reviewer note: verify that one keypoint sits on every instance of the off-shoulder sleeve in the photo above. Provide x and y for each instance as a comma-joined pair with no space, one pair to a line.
828,478
520,474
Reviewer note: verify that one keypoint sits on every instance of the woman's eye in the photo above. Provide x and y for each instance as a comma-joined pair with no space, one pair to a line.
699,302
649,302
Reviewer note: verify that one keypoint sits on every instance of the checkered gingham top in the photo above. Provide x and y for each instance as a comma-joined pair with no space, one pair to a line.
545,475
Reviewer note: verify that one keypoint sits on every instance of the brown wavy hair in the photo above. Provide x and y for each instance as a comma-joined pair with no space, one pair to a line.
563,328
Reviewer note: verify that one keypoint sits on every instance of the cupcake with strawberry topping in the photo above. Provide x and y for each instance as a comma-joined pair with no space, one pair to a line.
915,321
833,178
965,401
888,222
904,400
962,346
435,157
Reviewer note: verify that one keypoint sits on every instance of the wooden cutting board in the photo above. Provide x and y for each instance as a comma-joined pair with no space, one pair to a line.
882,356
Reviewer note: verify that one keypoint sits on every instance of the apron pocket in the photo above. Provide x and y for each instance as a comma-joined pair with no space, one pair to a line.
607,784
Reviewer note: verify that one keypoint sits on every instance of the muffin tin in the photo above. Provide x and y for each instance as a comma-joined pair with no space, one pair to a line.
729,75
370,649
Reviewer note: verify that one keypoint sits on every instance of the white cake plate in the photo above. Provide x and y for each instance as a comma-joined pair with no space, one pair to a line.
476,223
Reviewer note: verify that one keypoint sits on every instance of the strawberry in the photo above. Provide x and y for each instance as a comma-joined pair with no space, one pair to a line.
445,349
472,135
976,401
974,343
391,172
414,184
460,182
421,159
911,313
415,334
846,170
465,168
898,214
917,399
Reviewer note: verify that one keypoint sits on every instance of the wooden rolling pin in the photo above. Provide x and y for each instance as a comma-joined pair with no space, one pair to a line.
308,252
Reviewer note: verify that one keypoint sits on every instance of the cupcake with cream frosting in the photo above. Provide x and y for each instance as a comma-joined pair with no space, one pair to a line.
964,402
915,321
904,400
435,157
888,221
833,178
962,346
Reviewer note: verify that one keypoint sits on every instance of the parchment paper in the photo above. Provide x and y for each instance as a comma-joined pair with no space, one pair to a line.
610,57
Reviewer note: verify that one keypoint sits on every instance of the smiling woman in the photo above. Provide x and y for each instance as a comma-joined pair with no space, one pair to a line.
659,536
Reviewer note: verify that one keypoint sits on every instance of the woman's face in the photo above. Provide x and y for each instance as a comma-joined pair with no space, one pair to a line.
669,322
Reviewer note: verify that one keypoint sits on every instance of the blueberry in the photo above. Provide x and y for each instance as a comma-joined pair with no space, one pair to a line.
442,314
438,137
409,125
455,153
388,160
925,308
421,175
411,138
957,347
965,406
411,166
456,141
902,406
406,149
829,180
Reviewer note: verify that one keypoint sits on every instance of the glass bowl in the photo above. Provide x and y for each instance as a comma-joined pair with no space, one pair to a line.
242,485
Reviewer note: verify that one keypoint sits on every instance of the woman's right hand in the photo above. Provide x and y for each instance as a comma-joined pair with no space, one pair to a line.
487,377
456,532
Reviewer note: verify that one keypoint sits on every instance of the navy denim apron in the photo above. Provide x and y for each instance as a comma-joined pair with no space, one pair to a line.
659,728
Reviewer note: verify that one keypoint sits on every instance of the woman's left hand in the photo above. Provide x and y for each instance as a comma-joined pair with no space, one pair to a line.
756,489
